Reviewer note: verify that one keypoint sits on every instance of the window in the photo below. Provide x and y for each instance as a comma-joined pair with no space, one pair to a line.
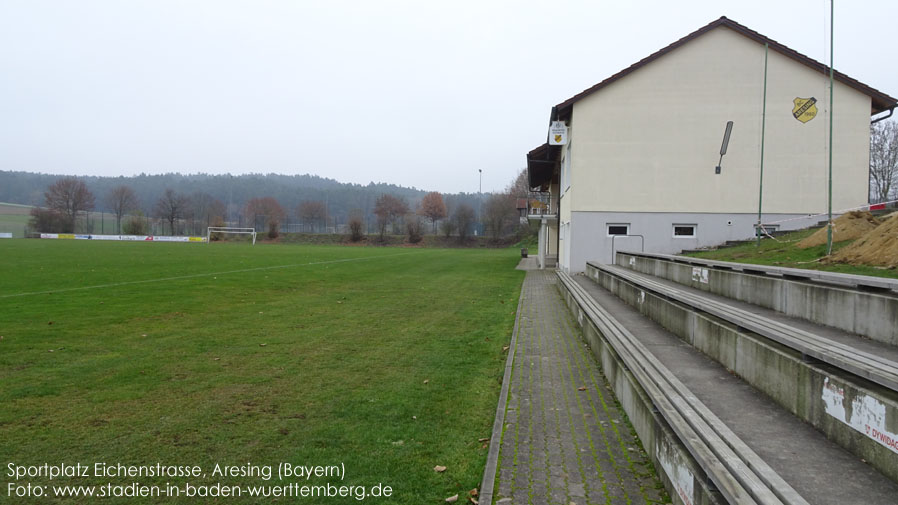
684,230
618,229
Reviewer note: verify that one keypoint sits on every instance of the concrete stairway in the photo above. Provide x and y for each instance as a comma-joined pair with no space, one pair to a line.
741,403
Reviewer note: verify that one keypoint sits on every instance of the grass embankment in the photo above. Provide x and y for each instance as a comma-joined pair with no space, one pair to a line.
783,252
386,360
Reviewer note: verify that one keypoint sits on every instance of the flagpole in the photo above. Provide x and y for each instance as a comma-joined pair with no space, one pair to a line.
829,227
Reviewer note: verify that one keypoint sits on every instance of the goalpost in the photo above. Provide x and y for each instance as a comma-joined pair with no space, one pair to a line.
225,229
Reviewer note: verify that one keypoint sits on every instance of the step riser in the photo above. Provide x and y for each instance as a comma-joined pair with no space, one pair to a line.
676,467
872,315
807,390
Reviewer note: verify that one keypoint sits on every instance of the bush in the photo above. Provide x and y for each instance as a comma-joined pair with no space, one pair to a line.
414,231
355,228
135,225
49,221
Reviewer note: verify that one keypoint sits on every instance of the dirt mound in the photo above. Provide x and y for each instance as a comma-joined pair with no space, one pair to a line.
879,246
846,227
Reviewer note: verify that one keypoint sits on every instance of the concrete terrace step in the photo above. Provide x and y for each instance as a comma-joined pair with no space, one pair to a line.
767,445
870,366
737,472
772,352
859,304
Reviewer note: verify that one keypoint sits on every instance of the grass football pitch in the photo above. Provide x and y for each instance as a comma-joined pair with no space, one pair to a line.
154,358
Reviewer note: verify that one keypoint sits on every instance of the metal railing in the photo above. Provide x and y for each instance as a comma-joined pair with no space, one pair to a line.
542,204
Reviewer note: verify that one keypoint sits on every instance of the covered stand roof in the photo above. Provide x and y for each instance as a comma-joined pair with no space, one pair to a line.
542,165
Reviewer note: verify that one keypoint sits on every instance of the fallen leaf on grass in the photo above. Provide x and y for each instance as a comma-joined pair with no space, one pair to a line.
581,388
215,359
452,499
426,381
504,348
483,440
439,468
485,445
473,492
262,345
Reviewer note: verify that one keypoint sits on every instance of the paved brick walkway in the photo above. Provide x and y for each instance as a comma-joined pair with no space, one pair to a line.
563,445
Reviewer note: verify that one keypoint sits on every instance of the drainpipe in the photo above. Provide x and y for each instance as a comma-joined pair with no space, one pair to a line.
884,117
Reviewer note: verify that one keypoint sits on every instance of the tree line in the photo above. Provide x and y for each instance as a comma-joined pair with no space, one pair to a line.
177,212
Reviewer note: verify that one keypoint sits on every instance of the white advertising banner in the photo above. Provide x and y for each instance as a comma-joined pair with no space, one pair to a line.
6,235
132,238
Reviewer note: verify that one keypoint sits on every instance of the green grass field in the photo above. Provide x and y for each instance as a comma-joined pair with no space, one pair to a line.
385,360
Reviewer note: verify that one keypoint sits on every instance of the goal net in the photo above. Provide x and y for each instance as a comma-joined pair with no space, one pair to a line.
225,229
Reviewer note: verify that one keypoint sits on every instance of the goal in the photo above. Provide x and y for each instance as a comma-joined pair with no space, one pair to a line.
225,229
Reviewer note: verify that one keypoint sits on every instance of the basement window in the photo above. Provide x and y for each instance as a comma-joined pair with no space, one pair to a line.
684,230
618,229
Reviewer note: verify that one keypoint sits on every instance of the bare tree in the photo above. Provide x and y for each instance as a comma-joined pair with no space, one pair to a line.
464,218
498,212
205,210
68,197
433,208
171,207
884,160
271,210
355,225
313,211
414,226
121,199
520,186
388,209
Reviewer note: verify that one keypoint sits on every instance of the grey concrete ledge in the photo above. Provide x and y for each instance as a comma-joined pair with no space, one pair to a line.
833,278
846,306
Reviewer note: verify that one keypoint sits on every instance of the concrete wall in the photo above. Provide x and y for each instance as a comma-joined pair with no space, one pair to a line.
649,142
591,243
832,401
873,315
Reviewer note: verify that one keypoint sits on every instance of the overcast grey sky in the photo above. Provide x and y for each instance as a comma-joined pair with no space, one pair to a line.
417,93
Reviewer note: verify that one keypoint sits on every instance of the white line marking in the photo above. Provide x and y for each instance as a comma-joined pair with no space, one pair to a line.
192,276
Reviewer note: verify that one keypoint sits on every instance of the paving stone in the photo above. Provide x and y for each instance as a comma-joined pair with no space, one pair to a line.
563,445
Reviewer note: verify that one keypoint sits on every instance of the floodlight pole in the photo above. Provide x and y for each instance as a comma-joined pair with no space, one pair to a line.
480,200
829,225
763,128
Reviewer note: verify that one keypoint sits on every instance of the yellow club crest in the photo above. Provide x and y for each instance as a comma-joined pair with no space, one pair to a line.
805,109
